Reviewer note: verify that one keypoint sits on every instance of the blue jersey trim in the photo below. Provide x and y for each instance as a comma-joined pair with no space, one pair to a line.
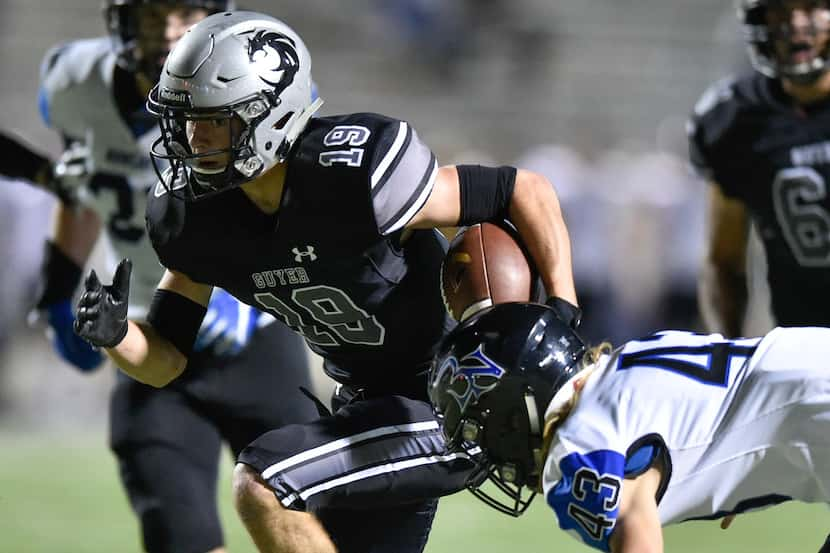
639,461
586,500
43,106
141,122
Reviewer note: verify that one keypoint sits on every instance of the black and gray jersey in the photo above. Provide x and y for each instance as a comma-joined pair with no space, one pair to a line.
747,136
331,262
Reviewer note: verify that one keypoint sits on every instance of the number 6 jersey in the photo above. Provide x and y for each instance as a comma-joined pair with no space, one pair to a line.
735,425
749,137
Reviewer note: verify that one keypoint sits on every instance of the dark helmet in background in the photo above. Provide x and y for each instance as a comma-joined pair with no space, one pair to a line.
781,46
124,19
490,385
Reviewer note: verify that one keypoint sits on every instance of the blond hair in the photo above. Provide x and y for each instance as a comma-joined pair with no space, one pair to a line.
587,365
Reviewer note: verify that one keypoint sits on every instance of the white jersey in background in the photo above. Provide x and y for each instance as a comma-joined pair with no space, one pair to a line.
77,100
737,424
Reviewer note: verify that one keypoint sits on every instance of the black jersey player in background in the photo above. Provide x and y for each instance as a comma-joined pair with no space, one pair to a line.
167,442
329,224
763,140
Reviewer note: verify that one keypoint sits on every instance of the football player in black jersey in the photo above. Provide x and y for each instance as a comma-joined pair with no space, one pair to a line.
167,443
763,140
329,224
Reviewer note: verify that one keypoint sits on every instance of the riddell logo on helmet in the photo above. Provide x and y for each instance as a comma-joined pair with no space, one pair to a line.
177,97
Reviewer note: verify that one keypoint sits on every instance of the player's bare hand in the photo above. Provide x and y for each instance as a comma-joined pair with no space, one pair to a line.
102,310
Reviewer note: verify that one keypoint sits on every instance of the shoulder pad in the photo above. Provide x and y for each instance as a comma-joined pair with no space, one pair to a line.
382,156
719,92
70,62
402,171
712,117
164,217
167,184
69,71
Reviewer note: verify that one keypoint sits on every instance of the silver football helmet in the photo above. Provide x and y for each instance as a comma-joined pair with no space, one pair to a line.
245,72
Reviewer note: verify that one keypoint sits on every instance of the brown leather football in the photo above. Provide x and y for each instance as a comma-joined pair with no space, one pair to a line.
485,265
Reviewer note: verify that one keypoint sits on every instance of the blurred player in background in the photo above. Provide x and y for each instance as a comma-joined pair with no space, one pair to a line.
245,373
673,427
329,223
763,140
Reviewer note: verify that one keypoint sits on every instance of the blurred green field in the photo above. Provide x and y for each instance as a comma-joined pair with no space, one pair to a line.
61,495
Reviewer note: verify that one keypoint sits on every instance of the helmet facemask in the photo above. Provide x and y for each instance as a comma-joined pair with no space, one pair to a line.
510,438
490,385
207,169
788,39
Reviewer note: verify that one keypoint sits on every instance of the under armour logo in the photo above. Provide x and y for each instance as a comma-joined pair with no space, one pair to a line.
299,255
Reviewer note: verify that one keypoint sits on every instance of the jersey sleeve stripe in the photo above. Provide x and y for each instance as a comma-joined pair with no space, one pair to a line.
416,203
382,171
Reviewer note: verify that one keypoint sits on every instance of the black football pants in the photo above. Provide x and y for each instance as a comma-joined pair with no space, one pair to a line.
168,440
372,472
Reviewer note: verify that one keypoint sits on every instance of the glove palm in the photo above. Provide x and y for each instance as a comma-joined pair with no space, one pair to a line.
102,310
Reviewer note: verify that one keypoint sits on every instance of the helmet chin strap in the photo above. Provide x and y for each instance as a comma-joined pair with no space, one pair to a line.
204,171
532,414
806,73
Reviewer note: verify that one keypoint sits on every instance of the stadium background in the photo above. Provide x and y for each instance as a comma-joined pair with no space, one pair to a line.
593,93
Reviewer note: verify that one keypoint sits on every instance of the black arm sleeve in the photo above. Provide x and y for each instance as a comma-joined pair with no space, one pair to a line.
176,318
20,160
484,192
62,276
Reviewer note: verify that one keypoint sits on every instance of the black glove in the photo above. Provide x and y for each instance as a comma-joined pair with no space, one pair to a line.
567,312
102,310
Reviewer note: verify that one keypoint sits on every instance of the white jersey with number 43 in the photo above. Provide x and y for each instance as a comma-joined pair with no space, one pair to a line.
735,424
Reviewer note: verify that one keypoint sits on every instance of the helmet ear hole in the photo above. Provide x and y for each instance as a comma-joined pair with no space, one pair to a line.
279,125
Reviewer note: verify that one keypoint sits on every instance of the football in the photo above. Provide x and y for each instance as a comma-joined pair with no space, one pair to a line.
486,265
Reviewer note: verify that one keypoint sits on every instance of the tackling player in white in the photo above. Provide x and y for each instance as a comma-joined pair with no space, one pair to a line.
673,427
